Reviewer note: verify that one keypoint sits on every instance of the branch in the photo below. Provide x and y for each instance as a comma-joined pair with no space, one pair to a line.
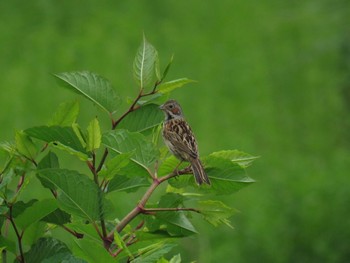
140,208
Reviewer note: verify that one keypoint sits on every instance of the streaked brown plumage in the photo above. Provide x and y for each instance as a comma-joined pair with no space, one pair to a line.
180,139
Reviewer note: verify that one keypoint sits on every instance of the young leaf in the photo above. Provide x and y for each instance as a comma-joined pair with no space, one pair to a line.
115,165
241,158
166,70
93,136
93,87
169,86
152,253
144,118
121,244
144,64
36,212
77,194
25,145
216,212
175,259
123,141
66,114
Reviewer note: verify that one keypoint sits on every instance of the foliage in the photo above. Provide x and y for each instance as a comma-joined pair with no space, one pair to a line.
125,158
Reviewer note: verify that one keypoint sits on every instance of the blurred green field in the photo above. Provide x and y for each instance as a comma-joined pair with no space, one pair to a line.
273,80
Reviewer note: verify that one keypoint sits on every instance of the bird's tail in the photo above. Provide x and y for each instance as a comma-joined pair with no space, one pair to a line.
199,173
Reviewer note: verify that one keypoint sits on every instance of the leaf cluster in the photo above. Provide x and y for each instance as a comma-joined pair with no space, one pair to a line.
125,158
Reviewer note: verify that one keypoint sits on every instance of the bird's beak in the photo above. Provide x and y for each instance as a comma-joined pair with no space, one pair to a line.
161,107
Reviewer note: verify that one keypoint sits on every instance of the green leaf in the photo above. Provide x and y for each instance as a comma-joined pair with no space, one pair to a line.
63,138
226,177
93,136
91,251
36,212
25,145
8,244
77,194
57,217
236,156
115,165
20,207
152,253
123,141
144,64
49,161
175,259
123,183
146,117
93,87
216,212
121,244
166,70
66,114
49,250
173,84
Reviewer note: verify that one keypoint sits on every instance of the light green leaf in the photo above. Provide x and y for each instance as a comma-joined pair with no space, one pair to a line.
166,70
123,141
122,183
175,259
144,64
66,114
226,177
93,136
236,156
77,194
115,165
121,244
25,145
152,253
93,87
146,117
216,212
173,84
91,251
36,212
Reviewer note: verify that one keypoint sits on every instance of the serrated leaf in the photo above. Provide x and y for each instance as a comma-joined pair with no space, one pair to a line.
49,161
122,183
169,86
152,253
226,177
146,117
25,145
77,194
36,212
236,156
66,114
93,136
64,135
93,87
144,64
123,141
57,217
216,212
47,250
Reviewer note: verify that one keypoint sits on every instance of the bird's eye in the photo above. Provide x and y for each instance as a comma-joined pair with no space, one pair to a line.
171,106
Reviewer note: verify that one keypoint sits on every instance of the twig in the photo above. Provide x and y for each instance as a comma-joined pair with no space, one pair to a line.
18,235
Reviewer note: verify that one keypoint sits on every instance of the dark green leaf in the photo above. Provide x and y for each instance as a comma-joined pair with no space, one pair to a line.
122,183
49,161
20,207
93,87
144,64
57,217
25,145
66,114
123,141
77,194
146,117
36,212
169,86
8,244
62,137
94,136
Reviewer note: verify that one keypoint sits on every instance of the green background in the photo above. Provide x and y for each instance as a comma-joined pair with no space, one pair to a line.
273,80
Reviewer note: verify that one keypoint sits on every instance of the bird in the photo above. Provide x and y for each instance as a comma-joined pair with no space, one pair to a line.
180,140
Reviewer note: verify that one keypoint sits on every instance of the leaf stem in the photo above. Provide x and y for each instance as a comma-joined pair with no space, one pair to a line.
18,235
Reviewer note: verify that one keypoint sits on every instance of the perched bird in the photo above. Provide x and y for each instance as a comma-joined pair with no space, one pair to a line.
180,140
